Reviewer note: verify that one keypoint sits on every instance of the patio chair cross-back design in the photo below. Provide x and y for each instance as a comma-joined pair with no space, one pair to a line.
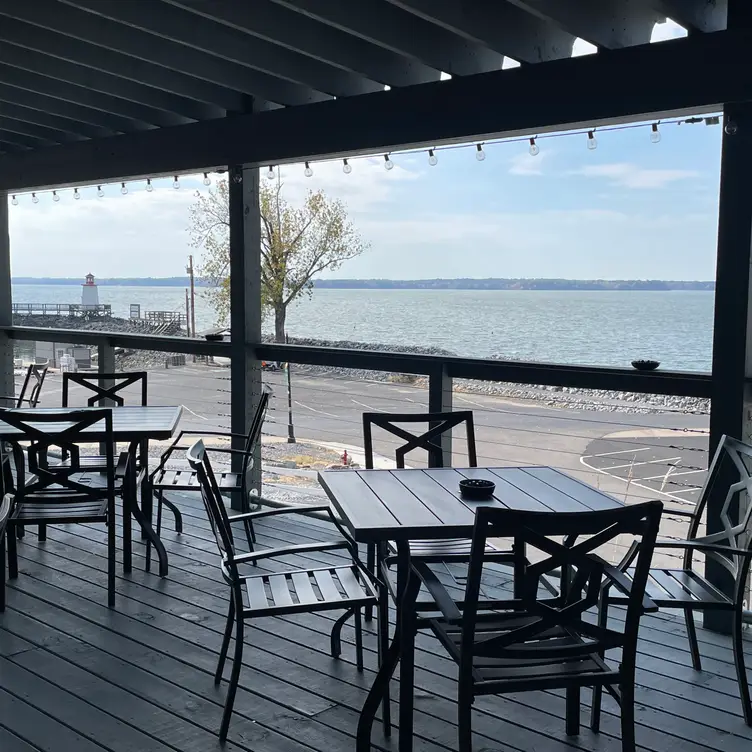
58,493
439,424
345,586
106,387
536,640
730,548
31,387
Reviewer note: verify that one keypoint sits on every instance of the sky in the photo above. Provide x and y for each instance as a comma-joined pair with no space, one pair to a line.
628,209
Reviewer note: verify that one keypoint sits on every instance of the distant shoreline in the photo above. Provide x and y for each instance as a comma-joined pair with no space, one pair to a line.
541,284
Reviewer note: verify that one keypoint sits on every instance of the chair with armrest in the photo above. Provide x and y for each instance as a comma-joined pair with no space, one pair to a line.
536,640
683,587
30,389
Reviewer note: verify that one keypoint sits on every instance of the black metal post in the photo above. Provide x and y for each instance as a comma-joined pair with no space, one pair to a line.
440,401
6,305
290,425
731,404
245,310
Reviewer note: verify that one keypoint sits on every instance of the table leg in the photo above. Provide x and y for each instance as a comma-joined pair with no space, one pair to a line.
400,651
149,533
146,494
128,500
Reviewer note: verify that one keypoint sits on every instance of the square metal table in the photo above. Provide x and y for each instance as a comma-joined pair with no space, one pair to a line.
415,504
132,425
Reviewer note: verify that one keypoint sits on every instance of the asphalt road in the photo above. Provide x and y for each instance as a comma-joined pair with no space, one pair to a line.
632,455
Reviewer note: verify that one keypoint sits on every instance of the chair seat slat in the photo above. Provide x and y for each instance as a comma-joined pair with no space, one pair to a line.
325,583
280,590
303,587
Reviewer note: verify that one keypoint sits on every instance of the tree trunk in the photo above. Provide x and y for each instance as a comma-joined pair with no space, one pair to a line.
280,315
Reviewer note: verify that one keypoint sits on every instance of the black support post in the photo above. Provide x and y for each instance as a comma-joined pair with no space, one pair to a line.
6,315
245,310
731,407
440,401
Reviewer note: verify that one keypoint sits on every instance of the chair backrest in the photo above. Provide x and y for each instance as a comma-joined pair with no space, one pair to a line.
64,430
730,465
254,434
198,459
438,424
583,533
106,387
32,386
6,505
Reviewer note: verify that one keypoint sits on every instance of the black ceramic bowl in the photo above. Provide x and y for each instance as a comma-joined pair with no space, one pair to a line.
645,365
477,488
215,337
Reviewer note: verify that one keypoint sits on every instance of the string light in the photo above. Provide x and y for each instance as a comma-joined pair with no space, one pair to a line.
176,183
432,158
76,194
55,197
14,201
149,186
480,155
655,134
207,179
592,141
34,198
534,148
100,192
270,173
346,167
388,164
123,189
308,172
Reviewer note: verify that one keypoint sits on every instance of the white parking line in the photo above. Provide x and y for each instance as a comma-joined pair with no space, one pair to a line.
367,407
663,475
646,462
620,451
688,490
314,410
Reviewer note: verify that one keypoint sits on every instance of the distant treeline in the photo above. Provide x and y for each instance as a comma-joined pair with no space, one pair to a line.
511,284
110,281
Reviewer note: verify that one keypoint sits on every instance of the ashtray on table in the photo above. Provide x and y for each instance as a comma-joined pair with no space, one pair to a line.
477,488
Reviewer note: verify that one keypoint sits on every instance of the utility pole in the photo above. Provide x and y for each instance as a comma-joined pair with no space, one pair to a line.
187,313
290,426
189,270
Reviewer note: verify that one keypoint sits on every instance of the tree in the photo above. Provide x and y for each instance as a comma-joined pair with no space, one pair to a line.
297,243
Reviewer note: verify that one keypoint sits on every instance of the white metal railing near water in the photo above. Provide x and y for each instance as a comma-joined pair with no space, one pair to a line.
62,309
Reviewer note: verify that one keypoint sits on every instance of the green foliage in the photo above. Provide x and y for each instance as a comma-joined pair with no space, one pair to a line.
297,243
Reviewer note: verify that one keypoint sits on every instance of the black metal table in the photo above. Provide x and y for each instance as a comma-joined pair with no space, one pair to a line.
133,425
415,504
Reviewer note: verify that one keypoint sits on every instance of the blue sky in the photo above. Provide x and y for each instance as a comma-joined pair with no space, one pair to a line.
629,209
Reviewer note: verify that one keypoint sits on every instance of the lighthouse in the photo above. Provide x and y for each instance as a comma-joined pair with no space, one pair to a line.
89,293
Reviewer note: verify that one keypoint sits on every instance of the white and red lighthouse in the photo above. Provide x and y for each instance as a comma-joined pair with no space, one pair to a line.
89,292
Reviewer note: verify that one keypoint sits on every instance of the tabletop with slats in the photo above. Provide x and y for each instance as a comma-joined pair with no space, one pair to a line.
129,423
410,504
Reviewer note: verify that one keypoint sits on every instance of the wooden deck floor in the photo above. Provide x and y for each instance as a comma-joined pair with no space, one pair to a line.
77,676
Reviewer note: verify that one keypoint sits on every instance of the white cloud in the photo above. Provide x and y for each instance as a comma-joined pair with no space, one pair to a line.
526,164
628,175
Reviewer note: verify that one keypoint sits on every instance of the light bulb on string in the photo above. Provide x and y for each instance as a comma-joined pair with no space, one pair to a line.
14,201
149,186
432,158
176,183
534,148
55,197
76,194
388,164
308,172
346,167
270,173
592,141
123,189
207,179
34,198
655,134
100,192
480,155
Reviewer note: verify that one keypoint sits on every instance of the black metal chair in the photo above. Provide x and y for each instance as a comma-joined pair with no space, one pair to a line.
53,493
30,389
184,478
347,586
536,640
6,501
731,548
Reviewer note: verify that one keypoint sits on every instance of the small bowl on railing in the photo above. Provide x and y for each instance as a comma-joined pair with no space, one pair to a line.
477,488
645,365
214,337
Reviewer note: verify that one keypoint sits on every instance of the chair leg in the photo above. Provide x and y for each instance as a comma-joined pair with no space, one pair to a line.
358,639
111,553
626,689
465,723
12,555
741,670
42,532
225,642
176,513
573,711
2,572
595,710
694,648
336,638
234,678
383,644
250,537
371,567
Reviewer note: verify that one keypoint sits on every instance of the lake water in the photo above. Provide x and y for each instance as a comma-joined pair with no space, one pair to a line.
600,328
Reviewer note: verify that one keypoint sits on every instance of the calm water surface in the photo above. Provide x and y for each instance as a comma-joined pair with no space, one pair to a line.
601,328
